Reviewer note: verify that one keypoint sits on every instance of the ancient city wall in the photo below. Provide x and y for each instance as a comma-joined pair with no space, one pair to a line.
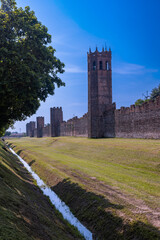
108,122
35,132
127,122
102,119
46,132
138,121
75,127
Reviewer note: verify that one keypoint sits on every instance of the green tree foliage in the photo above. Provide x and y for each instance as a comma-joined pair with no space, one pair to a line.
2,131
155,92
28,67
7,133
7,5
139,102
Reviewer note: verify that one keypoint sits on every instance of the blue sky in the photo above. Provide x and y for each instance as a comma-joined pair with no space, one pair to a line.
130,28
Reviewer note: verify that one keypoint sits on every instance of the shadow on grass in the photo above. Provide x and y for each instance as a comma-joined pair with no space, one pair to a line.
19,152
31,163
10,145
97,213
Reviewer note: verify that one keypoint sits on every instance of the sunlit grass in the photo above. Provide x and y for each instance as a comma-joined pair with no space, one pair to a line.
129,164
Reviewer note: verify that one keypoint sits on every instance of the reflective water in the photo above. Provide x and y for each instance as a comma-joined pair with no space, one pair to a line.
56,201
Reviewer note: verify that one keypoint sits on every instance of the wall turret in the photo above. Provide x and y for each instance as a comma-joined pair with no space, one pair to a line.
40,126
56,118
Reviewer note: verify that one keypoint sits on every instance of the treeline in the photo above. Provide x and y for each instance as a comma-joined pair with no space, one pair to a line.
153,95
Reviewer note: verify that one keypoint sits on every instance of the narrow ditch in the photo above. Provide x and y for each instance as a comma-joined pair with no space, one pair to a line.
56,201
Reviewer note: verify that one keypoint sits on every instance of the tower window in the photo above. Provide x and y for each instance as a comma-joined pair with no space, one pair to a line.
107,66
100,65
94,65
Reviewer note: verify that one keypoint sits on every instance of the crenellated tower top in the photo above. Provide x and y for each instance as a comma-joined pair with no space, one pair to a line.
98,52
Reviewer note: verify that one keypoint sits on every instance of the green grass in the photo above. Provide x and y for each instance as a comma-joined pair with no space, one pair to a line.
25,213
130,167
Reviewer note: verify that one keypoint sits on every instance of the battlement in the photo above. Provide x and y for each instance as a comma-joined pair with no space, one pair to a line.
57,108
75,126
139,121
75,118
103,52
150,105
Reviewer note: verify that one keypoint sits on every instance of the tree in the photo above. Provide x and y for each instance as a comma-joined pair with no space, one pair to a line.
7,5
2,131
139,102
155,92
28,67
7,133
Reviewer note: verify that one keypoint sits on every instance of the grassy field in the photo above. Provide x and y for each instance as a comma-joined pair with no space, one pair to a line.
124,171
25,213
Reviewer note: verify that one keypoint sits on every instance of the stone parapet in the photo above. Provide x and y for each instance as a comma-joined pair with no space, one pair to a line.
138,121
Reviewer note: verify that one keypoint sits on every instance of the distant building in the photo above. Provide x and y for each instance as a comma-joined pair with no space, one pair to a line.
16,135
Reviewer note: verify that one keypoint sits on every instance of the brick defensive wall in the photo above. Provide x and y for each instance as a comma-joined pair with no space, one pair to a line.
138,121
75,127
128,122
47,131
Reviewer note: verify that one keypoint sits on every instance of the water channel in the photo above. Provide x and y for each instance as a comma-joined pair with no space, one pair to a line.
56,201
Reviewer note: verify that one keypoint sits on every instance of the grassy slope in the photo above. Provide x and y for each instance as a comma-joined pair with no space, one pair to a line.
130,167
25,214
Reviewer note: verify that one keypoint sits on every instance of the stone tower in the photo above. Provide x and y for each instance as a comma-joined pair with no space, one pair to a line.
30,127
27,129
40,126
56,118
100,107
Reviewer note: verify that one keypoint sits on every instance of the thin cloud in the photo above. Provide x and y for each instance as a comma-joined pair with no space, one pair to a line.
74,69
129,68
